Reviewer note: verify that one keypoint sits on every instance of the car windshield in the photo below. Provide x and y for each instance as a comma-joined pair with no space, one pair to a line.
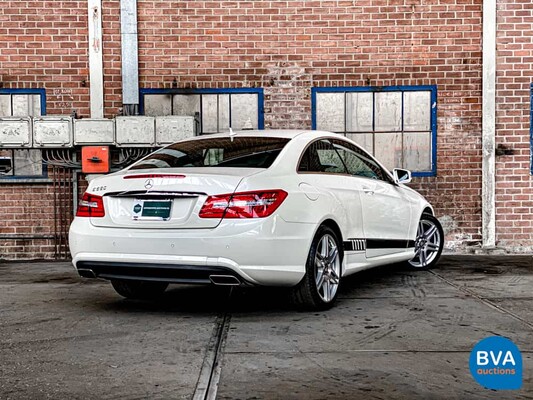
237,152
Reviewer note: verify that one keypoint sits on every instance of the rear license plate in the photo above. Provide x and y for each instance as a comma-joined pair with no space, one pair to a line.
155,210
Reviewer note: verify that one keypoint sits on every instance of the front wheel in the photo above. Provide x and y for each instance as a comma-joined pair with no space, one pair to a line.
320,284
144,290
428,244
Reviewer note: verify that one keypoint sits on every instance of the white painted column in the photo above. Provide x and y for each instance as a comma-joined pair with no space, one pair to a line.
488,192
96,73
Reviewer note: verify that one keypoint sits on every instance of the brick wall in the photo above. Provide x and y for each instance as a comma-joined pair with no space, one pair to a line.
286,47
514,184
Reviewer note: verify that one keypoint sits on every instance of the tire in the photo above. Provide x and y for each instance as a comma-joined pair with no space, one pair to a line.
324,264
144,290
429,243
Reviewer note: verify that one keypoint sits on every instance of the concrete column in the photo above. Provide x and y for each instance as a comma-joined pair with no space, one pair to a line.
96,74
488,192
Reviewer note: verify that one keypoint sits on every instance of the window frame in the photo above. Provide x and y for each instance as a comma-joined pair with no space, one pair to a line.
374,89
26,178
174,91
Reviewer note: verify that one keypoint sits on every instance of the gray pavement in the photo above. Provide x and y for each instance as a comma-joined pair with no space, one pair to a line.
393,334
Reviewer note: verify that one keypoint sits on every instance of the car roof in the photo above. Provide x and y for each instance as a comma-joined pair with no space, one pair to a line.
280,133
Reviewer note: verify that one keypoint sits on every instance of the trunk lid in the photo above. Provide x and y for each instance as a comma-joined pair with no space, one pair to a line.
153,199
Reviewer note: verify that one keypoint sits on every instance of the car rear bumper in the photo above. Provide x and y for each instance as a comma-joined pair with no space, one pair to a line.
267,252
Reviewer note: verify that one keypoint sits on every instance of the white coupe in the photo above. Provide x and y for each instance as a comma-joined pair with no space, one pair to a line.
301,209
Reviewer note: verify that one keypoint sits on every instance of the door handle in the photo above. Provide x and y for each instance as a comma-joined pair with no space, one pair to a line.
368,191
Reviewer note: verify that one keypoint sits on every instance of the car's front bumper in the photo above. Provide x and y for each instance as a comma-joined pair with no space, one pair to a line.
266,251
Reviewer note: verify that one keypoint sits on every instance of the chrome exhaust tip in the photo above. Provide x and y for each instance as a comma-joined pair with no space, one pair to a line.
86,273
224,280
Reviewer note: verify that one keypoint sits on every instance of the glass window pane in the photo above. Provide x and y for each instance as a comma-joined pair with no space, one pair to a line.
157,105
36,98
186,104
21,106
5,105
388,107
388,149
6,163
417,151
215,113
330,112
365,140
28,162
321,156
359,111
244,111
417,111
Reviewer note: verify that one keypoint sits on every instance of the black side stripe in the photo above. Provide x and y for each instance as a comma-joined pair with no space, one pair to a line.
363,244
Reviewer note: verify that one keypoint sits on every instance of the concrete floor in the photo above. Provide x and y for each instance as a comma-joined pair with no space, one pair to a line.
394,333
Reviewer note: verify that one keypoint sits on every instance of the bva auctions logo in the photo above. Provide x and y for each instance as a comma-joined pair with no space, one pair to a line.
496,363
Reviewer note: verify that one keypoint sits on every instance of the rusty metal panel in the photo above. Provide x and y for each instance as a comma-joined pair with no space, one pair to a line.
388,149
157,104
417,111
359,111
244,111
15,132
330,112
135,131
53,131
90,131
417,151
170,129
388,106
186,104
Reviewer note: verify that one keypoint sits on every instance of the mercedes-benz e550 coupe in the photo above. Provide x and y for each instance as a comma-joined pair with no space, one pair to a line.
301,209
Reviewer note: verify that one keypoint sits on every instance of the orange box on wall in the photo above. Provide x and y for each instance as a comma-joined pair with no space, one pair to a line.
95,159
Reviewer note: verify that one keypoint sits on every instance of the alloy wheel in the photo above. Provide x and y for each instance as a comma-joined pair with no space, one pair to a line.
427,244
327,268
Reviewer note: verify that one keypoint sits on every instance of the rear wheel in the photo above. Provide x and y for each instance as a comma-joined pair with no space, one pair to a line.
139,289
320,284
428,244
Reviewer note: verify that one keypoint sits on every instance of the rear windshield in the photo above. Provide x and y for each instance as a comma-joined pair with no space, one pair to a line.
241,152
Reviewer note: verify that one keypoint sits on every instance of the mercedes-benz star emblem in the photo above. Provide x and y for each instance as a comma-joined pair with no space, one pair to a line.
149,184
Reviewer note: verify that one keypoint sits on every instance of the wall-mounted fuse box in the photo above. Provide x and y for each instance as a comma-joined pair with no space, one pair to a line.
52,131
15,132
135,131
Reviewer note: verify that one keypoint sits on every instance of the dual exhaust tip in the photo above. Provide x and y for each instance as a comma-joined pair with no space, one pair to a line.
220,280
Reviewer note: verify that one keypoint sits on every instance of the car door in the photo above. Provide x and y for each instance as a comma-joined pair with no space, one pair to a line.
386,210
324,177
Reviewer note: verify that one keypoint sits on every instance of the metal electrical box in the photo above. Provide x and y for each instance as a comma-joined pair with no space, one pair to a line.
53,131
15,132
94,131
95,159
170,129
135,131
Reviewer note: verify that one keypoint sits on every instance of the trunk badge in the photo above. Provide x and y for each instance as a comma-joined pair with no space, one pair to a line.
149,184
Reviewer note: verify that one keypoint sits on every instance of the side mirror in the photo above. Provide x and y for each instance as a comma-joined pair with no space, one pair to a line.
401,175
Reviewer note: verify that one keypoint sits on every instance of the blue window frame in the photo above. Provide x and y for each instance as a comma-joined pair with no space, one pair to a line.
22,158
397,124
217,109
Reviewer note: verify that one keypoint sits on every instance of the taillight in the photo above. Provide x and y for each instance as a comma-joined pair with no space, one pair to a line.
258,204
91,205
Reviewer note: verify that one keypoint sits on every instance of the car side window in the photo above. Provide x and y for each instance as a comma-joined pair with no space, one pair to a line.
358,163
321,156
